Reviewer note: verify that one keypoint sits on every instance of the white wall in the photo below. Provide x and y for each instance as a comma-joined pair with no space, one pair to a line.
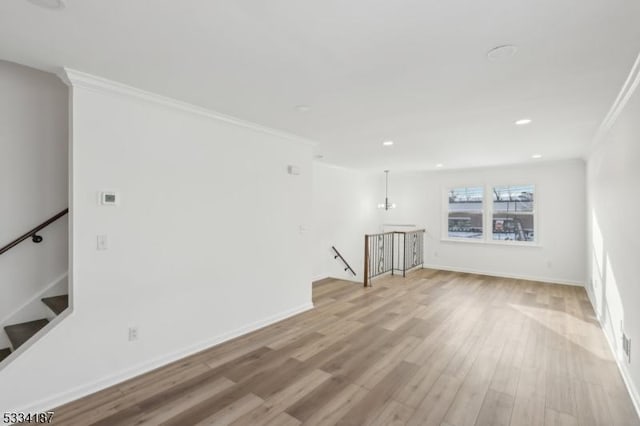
560,202
33,182
614,236
344,210
205,244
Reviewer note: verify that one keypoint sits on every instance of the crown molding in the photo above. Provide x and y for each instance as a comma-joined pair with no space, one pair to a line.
73,78
627,90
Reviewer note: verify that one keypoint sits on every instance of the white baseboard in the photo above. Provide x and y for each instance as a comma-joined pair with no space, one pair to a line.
507,275
622,367
84,390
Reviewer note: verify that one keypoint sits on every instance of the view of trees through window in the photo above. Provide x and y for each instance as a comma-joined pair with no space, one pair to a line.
466,212
513,213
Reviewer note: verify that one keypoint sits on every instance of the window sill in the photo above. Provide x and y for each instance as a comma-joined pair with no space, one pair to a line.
492,243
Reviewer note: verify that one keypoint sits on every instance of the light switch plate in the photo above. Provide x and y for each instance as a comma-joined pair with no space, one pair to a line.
102,242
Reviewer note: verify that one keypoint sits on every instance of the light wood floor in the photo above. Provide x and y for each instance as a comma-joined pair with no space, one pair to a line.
436,348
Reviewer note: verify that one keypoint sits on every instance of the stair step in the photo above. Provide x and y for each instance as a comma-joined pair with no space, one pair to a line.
20,333
57,303
4,353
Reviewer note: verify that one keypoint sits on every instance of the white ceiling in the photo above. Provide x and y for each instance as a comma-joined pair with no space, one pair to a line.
414,71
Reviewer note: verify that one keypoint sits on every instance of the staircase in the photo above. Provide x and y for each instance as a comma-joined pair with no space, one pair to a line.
19,333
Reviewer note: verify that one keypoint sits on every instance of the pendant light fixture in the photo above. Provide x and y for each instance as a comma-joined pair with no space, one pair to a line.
386,205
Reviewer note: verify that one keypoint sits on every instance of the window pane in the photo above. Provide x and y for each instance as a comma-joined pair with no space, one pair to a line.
513,208
465,212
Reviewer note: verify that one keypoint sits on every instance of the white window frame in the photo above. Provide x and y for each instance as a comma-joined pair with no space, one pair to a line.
487,213
445,215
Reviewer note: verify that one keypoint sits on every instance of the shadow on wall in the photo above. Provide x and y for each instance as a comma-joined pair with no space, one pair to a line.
607,300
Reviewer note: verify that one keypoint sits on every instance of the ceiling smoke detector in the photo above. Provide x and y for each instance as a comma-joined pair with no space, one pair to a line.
501,53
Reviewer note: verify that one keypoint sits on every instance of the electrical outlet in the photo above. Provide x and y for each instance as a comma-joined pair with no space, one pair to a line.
133,333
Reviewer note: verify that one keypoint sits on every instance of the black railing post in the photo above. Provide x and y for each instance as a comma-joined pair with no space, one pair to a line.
366,260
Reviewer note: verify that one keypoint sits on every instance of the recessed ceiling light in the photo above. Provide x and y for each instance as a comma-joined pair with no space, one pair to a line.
303,108
387,143
439,165
536,156
49,4
523,121
500,53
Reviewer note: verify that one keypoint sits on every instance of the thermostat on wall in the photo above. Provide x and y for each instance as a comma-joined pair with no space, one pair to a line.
108,198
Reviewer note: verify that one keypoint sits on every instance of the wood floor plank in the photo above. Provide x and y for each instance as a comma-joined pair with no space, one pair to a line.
337,407
384,365
620,406
186,401
227,406
435,405
297,390
393,414
282,419
304,408
331,337
560,395
372,404
232,411
591,404
496,409
414,391
555,418
468,401
528,411
435,348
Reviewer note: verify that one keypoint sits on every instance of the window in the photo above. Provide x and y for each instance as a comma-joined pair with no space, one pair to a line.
465,213
513,213
508,216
